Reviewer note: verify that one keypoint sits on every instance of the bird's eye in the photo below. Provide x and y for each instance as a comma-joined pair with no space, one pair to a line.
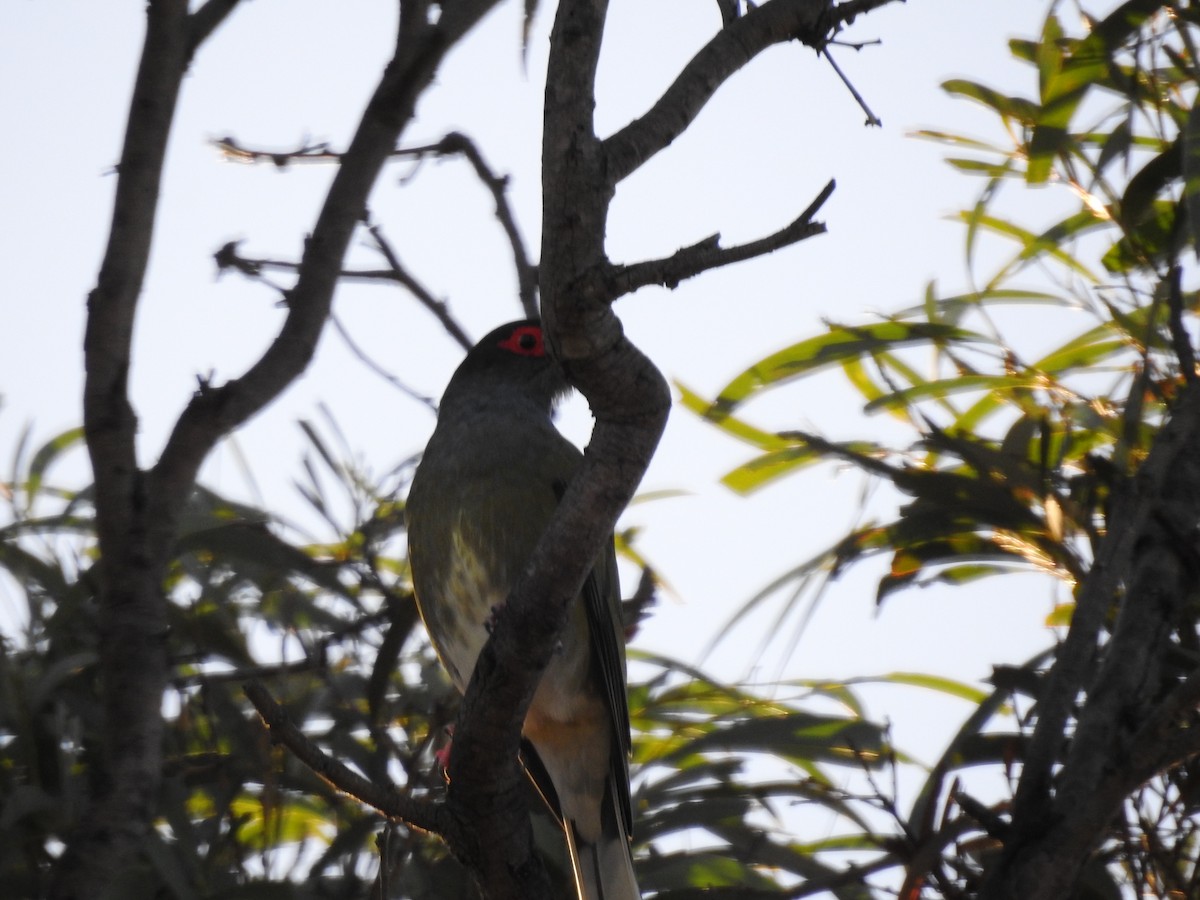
525,341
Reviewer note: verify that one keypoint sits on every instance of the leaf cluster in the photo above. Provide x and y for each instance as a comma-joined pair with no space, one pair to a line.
330,626
1021,456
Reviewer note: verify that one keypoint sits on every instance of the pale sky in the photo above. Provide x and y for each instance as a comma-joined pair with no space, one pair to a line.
280,72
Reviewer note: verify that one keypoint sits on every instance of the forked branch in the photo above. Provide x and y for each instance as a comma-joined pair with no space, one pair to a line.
812,22
709,254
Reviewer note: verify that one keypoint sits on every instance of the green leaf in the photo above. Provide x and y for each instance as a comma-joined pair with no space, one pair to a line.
762,470
46,455
797,737
1014,108
730,424
946,387
935,683
1033,246
839,343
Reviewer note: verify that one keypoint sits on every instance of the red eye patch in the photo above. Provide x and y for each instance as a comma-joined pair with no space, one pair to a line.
525,341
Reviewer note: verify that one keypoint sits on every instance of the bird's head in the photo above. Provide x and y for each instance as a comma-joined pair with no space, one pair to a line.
512,362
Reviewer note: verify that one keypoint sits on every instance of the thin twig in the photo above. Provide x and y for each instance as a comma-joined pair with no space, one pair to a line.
401,275
458,143
872,119
281,159
453,144
229,258
375,367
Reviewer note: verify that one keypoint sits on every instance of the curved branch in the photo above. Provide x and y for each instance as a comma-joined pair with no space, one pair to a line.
708,254
498,186
630,401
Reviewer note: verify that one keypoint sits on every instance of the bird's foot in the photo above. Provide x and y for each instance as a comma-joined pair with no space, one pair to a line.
442,754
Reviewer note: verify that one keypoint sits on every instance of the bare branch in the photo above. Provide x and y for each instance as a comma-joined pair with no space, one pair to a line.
417,812
708,254
401,275
810,21
456,143
630,401
211,414
729,12
453,144
872,119
228,258
281,159
204,21
366,359
133,661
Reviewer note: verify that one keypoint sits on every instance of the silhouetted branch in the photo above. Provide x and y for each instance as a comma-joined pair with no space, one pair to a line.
872,119
281,159
456,143
366,359
453,144
229,258
813,22
399,274
420,47
205,20
708,254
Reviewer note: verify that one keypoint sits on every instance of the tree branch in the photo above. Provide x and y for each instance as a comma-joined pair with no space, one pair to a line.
205,20
132,648
214,412
228,257
418,290
708,254
416,812
812,22
452,144
630,401
456,143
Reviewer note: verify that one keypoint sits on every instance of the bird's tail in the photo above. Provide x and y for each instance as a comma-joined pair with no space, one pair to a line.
604,869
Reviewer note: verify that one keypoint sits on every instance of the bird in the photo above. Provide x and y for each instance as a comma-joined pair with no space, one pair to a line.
487,484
